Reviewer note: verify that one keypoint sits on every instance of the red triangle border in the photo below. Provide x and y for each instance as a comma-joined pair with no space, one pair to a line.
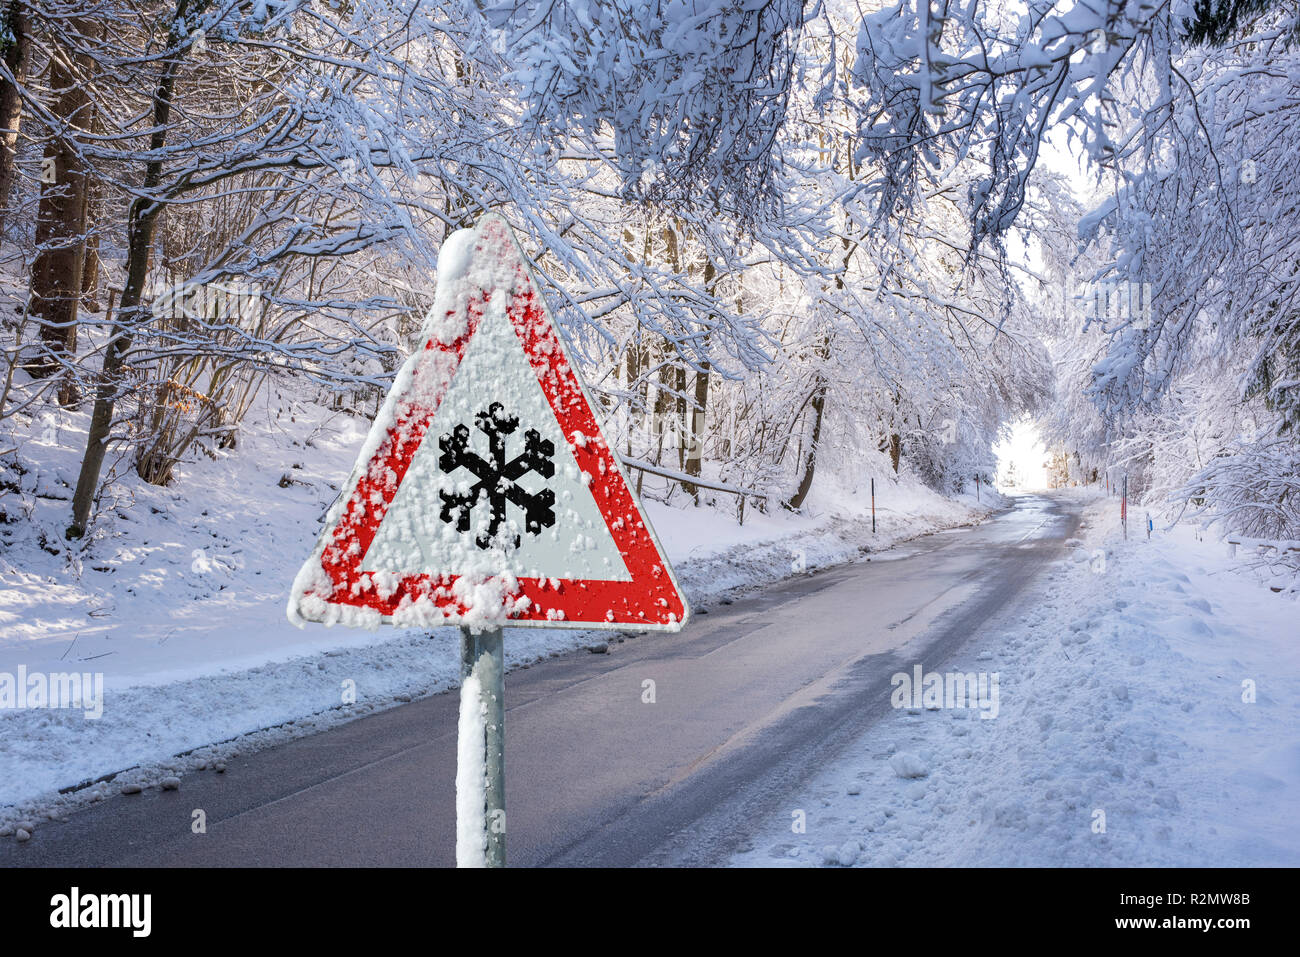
651,598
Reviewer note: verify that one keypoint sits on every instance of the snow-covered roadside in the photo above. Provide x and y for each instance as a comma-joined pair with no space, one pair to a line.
180,603
1147,716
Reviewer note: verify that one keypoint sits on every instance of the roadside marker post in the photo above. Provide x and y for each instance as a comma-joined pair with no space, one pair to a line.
486,496
873,506
1123,507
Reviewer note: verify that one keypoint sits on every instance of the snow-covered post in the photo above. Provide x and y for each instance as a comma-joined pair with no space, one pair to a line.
873,506
481,751
977,489
1123,506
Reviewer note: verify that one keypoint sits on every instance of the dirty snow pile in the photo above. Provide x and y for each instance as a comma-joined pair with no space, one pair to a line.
1146,716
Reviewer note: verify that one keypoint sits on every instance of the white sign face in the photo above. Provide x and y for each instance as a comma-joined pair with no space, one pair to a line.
572,542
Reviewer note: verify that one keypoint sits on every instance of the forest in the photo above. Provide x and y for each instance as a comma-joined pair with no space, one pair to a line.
783,239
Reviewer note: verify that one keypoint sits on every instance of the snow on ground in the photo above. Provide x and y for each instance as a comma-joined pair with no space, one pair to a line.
1147,716
179,598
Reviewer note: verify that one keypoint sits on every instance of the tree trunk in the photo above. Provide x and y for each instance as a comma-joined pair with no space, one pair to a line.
669,373
695,451
638,353
683,413
90,264
694,463
895,450
141,220
60,232
17,56
90,268
818,404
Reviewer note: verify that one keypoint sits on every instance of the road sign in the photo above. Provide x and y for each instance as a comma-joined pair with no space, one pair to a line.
486,493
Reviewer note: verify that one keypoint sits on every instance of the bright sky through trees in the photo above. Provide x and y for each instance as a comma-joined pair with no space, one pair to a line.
1024,449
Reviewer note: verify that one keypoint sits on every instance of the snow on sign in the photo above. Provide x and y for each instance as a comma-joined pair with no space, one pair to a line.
486,493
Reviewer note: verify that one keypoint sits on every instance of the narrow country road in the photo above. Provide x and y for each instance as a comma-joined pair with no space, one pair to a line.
749,699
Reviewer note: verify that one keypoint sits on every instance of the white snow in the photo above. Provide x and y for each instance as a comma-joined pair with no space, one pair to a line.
471,774
908,765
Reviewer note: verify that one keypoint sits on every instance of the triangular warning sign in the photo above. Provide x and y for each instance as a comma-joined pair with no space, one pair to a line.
486,493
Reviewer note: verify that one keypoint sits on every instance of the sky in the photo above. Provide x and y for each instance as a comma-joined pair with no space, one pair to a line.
1026,450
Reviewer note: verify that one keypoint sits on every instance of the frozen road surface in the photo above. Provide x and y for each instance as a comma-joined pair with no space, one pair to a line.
748,701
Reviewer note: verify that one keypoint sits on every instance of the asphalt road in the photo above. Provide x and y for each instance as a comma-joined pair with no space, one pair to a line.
750,699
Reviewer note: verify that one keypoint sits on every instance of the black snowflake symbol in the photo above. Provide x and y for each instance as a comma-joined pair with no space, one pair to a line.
497,479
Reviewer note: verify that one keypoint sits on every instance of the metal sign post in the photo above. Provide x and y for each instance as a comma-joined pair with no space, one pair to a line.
481,751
